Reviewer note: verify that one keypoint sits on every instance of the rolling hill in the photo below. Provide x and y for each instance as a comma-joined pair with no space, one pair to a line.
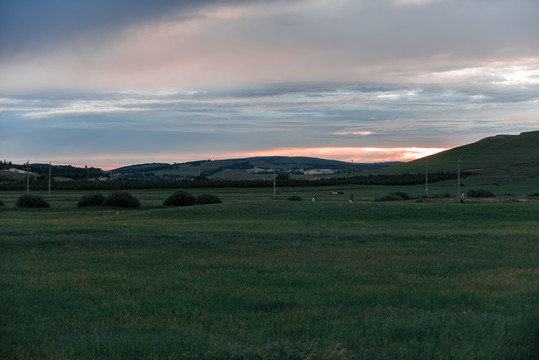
502,155
246,168
496,156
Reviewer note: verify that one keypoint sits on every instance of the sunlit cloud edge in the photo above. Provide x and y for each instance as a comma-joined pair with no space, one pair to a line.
347,154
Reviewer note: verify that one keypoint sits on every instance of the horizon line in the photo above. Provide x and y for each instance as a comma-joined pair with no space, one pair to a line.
345,154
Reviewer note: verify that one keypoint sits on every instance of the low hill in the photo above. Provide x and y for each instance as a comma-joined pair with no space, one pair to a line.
246,168
516,155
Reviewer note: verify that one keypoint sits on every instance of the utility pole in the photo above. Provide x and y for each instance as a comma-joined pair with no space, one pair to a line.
427,179
49,179
27,177
458,176
274,186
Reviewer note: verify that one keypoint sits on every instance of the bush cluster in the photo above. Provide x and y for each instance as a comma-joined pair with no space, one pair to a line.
294,198
32,201
1,203
121,199
91,200
439,196
479,193
180,198
208,199
394,196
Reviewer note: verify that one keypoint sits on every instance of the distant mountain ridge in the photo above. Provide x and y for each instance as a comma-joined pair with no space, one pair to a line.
246,168
493,154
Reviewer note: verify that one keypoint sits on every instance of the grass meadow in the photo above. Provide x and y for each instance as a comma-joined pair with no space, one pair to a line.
263,278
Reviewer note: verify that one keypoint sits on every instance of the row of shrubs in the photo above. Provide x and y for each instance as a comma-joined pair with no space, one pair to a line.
395,196
117,198
183,198
120,199
126,200
399,195
32,201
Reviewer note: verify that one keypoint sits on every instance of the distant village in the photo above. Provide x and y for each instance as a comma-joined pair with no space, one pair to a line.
257,170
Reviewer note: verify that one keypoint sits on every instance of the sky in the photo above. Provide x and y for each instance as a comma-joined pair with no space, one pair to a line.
108,83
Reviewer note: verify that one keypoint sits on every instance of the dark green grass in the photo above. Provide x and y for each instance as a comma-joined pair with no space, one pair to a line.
508,157
257,278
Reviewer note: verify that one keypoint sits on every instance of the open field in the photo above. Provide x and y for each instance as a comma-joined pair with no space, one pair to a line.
258,278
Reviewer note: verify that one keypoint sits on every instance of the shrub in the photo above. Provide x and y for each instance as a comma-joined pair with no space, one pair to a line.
395,196
91,200
295,198
282,179
32,201
208,199
479,193
180,198
446,195
1,203
121,199
535,194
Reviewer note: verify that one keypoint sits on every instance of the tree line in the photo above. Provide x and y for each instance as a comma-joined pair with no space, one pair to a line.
41,182
64,171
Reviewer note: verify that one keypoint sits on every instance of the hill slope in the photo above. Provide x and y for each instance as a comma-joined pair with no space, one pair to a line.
501,154
246,168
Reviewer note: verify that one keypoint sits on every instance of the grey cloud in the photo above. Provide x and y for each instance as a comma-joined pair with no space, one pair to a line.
345,32
266,116
368,32
33,25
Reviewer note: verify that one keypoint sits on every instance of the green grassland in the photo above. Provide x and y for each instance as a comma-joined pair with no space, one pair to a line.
263,278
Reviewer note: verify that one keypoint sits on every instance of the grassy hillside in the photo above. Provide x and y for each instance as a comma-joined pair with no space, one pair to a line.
515,155
242,168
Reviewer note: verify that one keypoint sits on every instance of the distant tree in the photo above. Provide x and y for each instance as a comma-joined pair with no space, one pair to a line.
32,201
208,199
282,179
479,193
395,196
121,199
91,200
180,198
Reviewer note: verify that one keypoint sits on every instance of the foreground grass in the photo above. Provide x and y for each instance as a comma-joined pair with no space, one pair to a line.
264,279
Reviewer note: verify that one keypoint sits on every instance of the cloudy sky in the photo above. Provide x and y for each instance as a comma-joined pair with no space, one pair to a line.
108,83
